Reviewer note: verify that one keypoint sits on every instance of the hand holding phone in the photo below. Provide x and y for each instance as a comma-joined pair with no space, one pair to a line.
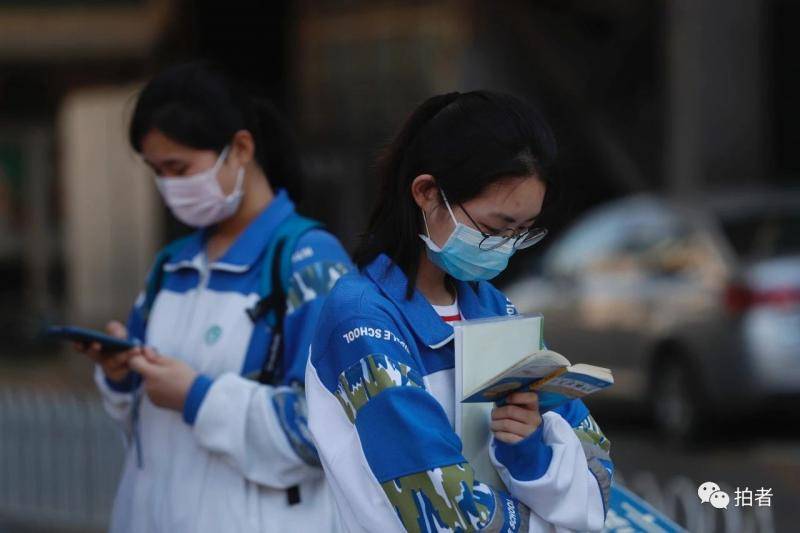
110,351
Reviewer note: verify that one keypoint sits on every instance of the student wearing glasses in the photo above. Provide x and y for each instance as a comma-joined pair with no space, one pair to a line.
463,187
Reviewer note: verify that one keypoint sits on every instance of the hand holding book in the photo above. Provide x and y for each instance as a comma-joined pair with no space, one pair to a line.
517,418
497,360
495,357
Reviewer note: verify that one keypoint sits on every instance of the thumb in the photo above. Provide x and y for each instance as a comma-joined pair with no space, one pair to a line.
116,329
151,355
140,364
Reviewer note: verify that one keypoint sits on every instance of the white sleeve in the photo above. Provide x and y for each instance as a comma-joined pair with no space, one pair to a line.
260,429
117,403
566,494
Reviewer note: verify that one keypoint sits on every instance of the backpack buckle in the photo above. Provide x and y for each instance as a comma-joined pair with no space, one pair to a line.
260,309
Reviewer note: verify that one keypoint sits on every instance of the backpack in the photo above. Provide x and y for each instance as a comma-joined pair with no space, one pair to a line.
273,286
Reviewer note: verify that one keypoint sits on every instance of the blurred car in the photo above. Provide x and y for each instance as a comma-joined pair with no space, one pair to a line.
695,306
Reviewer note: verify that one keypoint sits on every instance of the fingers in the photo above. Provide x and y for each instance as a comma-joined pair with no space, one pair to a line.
528,399
506,437
507,425
116,329
147,359
515,412
114,362
91,350
120,359
117,364
141,364
151,355
516,419
80,347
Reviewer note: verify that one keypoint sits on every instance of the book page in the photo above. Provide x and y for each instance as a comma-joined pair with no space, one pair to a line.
476,437
494,345
533,367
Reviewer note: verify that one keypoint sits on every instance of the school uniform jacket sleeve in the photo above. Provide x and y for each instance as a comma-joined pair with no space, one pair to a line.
118,396
393,459
261,429
560,469
554,442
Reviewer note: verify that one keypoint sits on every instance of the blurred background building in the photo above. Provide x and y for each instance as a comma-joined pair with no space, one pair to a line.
678,98
673,97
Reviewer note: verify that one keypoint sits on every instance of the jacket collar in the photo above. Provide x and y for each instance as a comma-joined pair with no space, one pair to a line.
246,249
417,311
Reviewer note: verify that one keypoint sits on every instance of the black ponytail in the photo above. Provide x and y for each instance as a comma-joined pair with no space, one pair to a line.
467,141
199,105
398,238
277,152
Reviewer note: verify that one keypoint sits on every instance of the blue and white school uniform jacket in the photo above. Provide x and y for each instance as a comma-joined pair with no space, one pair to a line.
224,464
380,391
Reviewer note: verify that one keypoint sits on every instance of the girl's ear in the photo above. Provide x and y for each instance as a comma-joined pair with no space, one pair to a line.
243,148
425,192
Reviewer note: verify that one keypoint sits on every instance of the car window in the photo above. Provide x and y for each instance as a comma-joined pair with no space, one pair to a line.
589,240
636,239
622,229
757,235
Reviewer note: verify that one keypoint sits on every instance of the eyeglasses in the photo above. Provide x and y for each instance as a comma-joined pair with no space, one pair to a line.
519,241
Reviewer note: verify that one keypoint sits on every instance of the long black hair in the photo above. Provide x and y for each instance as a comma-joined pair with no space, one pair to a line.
467,141
199,105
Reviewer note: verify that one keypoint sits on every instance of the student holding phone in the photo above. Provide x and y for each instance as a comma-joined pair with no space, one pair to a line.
213,398
463,187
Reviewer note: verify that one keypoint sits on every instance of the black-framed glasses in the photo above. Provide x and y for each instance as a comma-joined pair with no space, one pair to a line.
519,241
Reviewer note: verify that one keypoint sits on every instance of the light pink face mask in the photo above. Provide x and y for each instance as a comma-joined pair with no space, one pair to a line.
198,200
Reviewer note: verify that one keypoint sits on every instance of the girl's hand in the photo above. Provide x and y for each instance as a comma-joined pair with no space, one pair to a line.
114,366
166,380
517,419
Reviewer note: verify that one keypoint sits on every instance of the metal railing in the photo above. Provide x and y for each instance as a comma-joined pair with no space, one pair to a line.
61,457
677,498
60,461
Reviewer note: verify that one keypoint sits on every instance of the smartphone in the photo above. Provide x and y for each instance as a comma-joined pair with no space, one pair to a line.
108,344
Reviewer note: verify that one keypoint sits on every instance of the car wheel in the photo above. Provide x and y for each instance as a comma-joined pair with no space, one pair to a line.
676,403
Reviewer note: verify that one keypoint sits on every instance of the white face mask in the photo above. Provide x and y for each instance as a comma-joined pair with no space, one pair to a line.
198,200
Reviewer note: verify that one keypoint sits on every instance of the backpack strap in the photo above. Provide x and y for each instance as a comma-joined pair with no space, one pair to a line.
156,276
274,284
276,271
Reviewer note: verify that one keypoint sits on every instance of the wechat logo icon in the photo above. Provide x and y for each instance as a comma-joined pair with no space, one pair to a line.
709,492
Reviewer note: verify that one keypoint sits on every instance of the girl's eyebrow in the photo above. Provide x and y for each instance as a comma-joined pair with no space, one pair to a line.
164,163
171,161
511,220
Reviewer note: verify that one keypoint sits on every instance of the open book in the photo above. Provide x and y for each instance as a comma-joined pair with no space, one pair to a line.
496,356
550,375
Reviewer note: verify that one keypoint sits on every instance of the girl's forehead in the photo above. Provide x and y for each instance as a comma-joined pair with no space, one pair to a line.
514,194
157,146
156,141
